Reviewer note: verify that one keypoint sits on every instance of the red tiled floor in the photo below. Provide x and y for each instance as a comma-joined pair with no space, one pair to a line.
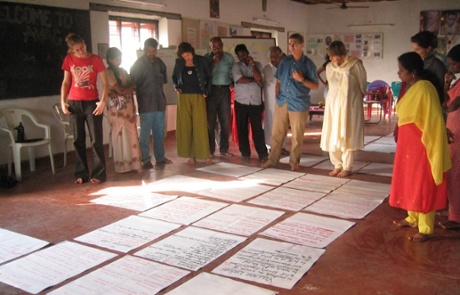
372,257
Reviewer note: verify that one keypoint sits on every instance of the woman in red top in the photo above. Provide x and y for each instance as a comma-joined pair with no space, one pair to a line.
80,99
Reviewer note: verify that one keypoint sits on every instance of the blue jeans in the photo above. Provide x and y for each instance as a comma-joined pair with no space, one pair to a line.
155,122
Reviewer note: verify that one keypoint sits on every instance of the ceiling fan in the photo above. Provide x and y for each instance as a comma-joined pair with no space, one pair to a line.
345,6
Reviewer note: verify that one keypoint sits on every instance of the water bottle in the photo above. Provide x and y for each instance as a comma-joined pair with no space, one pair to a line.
20,132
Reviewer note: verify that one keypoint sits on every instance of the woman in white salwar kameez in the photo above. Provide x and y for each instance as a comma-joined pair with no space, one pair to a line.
343,125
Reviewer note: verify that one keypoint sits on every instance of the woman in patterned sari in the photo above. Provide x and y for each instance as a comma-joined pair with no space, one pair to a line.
121,115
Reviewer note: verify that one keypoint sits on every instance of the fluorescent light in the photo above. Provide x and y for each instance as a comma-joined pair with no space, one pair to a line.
145,2
371,25
266,20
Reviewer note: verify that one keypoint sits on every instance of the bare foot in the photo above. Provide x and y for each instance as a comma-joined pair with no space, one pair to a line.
191,161
335,172
344,173
295,167
449,225
79,180
95,181
266,164
418,237
208,161
403,223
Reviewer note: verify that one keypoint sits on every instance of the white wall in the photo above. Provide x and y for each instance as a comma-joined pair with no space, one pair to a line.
405,14
293,16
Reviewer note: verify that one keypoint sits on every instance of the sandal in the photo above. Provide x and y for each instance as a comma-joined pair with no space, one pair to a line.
208,161
191,161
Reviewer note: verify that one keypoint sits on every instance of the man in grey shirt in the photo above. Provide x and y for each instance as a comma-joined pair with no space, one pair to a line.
149,74
248,103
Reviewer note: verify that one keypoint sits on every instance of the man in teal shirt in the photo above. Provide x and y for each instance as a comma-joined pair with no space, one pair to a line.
218,102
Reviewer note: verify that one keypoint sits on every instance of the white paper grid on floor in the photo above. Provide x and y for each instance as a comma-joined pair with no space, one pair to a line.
318,183
191,248
235,191
229,169
210,284
127,275
327,165
264,261
377,169
133,198
14,245
354,200
184,210
48,267
287,199
308,230
306,160
240,220
127,234
272,176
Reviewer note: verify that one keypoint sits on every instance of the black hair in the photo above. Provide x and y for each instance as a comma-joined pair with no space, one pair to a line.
276,49
297,37
150,42
413,63
114,52
183,48
241,47
425,39
337,48
454,53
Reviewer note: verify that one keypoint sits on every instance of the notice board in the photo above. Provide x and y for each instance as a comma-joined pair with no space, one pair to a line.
33,47
258,48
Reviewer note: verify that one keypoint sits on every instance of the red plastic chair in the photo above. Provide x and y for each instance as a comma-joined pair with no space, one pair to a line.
379,92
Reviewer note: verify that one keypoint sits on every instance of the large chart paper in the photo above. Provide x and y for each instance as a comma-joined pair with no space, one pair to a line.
273,176
317,183
133,198
270,262
235,191
128,275
13,245
239,219
128,234
309,230
287,198
229,169
51,266
184,210
210,284
191,248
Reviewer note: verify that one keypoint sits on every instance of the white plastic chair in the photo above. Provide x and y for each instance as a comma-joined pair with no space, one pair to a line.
9,119
64,120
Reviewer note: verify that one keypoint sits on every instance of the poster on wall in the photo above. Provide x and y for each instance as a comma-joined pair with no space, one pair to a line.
445,24
361,45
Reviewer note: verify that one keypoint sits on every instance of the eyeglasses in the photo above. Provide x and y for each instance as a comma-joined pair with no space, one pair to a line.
293,44
216,47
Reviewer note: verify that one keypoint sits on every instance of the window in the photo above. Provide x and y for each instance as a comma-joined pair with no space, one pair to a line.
129,35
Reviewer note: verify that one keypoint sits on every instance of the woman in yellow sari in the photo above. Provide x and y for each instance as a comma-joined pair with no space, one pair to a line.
422,155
